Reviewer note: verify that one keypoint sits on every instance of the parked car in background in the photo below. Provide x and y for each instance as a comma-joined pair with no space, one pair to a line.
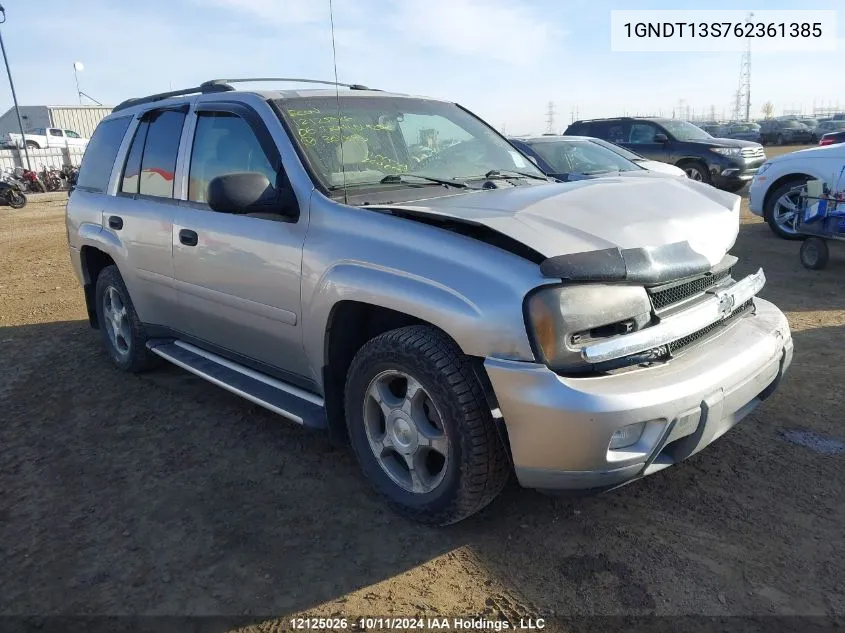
570,158
725,163
833,138
742,131
713,129
42,138
831,125
784,132
775,191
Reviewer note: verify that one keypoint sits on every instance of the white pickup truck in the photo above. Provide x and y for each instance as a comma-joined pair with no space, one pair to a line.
42,138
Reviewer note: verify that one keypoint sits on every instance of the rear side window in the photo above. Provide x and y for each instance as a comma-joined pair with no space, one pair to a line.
158,163
98,161
55,132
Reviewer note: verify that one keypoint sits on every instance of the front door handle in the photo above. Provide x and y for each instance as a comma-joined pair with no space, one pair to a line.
115,222
188,237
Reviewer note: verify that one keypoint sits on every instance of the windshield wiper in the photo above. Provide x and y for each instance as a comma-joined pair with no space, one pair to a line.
504,173
397,179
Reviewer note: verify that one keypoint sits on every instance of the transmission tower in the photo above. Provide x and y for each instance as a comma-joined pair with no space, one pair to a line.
550,118
742,106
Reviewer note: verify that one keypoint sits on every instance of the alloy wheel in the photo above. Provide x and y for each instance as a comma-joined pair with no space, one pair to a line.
117,321
405,431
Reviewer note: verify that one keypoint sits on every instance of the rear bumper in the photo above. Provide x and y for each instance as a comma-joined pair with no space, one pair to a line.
560,428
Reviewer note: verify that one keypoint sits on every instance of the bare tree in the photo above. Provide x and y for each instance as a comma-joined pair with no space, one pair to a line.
768,110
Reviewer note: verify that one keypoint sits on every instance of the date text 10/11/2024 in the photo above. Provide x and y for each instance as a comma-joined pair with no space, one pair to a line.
415,623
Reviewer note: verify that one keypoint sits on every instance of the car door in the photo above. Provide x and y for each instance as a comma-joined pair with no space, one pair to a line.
140,213
641,139
238,275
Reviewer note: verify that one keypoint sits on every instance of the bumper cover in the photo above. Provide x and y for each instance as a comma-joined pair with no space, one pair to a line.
559,428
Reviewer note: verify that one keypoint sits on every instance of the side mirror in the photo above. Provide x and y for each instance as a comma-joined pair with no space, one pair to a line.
661,138
249,192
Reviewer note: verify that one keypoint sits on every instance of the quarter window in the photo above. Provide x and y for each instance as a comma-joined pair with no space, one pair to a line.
100,154
224,143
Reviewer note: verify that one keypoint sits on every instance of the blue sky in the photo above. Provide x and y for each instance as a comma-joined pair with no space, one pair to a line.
504,60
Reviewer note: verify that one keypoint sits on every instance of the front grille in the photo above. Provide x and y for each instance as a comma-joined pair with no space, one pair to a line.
663,297
753,152
689,339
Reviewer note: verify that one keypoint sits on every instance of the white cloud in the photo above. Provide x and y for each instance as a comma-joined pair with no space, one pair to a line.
489,30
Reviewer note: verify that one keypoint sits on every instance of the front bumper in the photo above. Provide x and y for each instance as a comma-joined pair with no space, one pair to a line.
560,428
732,174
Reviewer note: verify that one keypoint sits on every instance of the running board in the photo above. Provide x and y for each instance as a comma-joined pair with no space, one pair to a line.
287,400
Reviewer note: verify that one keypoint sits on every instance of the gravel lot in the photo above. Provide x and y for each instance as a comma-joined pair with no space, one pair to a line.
162,494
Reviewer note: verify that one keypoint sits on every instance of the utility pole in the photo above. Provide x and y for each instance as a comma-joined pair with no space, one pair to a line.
742,107
550,117
12,86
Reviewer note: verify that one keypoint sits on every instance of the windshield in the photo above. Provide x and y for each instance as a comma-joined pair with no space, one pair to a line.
794,124
581,157
746,127
685,131
396,135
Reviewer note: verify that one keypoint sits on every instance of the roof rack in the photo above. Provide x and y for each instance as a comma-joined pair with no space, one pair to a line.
224,85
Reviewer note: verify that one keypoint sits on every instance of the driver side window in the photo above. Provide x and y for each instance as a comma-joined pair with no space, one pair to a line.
642,133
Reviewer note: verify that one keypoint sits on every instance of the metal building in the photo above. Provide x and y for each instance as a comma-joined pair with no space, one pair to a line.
82,119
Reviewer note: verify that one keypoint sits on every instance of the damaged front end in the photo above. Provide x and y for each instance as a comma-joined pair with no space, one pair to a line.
622,308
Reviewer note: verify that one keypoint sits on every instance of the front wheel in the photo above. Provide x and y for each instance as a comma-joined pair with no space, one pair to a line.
696,171
15,199
421,428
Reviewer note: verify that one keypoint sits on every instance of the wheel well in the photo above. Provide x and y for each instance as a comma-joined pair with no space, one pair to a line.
686,161
93,262
350,325
780,181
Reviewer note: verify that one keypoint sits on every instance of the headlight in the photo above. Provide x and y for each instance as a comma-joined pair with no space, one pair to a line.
727,151
563,319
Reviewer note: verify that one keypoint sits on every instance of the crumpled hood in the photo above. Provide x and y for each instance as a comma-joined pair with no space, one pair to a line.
588,215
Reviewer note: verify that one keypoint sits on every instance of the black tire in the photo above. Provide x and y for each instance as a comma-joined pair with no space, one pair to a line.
696,171
771,201
15,199
32,145
477,466
136,357
815,254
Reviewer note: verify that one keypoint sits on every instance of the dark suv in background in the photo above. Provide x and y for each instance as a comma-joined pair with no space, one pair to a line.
726,163
785,131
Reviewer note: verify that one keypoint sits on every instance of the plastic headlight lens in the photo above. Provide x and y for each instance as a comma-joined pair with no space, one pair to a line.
727,151
563,319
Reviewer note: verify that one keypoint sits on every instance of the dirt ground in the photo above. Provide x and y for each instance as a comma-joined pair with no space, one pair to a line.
162,494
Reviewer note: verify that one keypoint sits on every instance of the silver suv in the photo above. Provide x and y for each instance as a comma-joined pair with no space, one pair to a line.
389,268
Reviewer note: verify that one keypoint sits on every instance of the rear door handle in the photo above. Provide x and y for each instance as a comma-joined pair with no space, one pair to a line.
188,237
115,222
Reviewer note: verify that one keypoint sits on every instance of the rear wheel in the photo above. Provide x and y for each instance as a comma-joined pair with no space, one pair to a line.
421,427
782,208
120,328
32,145
815,254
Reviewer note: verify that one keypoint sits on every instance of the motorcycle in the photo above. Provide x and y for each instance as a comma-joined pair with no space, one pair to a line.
51,179
69,174
10,192
32,181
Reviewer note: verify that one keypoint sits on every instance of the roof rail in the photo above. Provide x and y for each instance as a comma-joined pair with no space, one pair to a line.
217,82
224,85
202,89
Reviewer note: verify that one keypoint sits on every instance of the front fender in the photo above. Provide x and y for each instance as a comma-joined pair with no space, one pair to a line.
495,329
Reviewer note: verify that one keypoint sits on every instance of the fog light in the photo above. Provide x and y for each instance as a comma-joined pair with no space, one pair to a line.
626,436
730,172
